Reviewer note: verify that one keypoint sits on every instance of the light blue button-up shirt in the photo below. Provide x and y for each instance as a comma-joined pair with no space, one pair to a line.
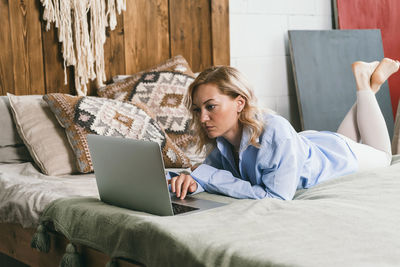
284,162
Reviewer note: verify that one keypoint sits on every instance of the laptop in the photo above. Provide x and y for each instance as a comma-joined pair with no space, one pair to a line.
130,174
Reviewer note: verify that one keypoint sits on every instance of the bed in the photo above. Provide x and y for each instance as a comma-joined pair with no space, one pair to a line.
350,221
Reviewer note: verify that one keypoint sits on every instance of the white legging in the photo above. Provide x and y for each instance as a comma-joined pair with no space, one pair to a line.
364,122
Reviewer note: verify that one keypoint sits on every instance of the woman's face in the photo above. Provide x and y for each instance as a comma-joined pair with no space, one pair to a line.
217,113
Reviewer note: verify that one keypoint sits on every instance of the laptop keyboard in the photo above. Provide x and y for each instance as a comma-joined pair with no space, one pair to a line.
178,209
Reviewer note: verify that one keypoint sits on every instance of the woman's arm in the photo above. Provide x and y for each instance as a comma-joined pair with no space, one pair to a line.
278,167
223,182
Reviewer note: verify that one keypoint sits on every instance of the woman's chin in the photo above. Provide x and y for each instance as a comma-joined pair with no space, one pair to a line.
212,135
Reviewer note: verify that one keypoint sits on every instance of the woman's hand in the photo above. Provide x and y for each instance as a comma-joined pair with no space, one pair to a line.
182,184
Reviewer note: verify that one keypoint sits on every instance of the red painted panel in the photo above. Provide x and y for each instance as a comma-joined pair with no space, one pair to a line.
376,14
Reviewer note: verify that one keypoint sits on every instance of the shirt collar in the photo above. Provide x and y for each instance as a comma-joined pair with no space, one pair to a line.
224,146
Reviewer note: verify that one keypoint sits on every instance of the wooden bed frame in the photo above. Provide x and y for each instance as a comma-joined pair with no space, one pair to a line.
148,32
15,243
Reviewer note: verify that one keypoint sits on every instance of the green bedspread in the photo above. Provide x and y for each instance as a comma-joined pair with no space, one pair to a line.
350,221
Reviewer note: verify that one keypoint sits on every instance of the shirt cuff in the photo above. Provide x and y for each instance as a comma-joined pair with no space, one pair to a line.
198,190
203,173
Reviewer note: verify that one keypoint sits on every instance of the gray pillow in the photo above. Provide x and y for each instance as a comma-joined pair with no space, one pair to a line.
42,134
12,148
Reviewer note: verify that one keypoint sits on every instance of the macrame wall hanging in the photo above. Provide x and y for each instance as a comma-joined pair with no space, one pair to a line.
82,31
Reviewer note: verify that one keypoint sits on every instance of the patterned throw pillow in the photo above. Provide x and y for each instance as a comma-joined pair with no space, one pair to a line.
83,115
162,90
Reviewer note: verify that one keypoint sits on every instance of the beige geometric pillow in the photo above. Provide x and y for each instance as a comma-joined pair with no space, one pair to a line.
161,89
84,115
42,135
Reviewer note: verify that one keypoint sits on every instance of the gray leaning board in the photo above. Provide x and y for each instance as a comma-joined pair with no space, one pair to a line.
325,85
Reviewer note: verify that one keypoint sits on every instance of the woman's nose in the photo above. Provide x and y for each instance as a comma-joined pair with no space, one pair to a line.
204,116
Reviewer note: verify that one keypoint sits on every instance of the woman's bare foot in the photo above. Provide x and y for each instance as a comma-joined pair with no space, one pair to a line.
362,73
385,68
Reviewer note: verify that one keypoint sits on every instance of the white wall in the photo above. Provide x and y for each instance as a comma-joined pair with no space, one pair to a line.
260,50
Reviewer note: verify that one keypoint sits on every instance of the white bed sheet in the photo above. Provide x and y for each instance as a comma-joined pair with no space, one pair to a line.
25,192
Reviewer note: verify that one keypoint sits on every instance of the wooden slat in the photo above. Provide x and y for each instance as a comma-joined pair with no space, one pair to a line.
6,55
180,31
220,32
19,47
114,56
34,45
15,242
26,47
190,26
146,34
91,88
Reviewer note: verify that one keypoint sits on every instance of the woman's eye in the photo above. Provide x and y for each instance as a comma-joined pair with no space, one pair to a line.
196,110
210,107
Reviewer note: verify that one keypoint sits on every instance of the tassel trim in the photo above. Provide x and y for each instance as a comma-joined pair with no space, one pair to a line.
71,257
41,239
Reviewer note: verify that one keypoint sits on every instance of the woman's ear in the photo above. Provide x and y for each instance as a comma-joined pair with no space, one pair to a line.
240,101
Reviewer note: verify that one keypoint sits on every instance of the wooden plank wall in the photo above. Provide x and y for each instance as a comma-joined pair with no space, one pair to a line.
148,32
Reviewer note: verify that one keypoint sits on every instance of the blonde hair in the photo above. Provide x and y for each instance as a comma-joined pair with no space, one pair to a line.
232,83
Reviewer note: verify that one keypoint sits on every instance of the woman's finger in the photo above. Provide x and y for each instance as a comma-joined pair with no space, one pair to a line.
178,184
192,186
172,182
185,186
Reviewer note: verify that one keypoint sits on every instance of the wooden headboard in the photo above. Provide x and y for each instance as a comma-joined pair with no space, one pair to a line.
148,32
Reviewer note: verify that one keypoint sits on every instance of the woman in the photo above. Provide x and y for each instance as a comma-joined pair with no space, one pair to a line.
257,155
